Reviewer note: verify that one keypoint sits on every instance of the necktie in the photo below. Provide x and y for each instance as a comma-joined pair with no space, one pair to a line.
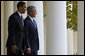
34,23
22,20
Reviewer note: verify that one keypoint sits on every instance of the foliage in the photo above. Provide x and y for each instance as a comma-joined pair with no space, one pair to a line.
71,15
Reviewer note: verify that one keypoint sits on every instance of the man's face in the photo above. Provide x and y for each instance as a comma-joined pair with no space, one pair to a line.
23,8
34,12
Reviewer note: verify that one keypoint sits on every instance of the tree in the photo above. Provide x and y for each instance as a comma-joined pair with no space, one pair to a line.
71,12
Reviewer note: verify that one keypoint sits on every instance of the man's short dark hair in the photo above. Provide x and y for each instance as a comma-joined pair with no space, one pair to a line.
20,4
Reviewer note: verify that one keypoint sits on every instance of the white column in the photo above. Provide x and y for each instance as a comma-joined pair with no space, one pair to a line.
40,24
15,5
75,36
70,42
44,13
80,28
8,10
56,40
2,27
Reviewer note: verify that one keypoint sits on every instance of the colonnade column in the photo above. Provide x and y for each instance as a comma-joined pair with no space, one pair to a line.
2,28
80,39
56,30
8,10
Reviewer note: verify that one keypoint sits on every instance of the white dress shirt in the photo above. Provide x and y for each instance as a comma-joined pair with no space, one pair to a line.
19,13
31,17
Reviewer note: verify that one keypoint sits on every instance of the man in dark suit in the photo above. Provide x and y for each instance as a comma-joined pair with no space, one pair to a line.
15,41
31,32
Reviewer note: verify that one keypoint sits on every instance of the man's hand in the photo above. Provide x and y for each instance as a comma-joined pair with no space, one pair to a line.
13,48
28,51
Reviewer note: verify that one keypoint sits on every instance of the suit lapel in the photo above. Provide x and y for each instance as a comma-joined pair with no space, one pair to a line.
19,20
33,26
31,22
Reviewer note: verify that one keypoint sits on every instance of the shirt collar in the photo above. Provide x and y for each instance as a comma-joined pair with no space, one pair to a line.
30,17
19,13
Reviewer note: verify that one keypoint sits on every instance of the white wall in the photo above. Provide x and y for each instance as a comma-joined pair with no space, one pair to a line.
80,28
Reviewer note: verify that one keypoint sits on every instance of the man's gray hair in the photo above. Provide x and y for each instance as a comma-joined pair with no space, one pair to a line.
30,9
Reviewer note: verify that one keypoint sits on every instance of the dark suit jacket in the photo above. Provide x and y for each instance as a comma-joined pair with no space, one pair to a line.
31,35
15,31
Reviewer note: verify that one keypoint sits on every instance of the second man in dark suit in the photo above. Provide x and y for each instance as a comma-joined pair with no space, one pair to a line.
31,32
